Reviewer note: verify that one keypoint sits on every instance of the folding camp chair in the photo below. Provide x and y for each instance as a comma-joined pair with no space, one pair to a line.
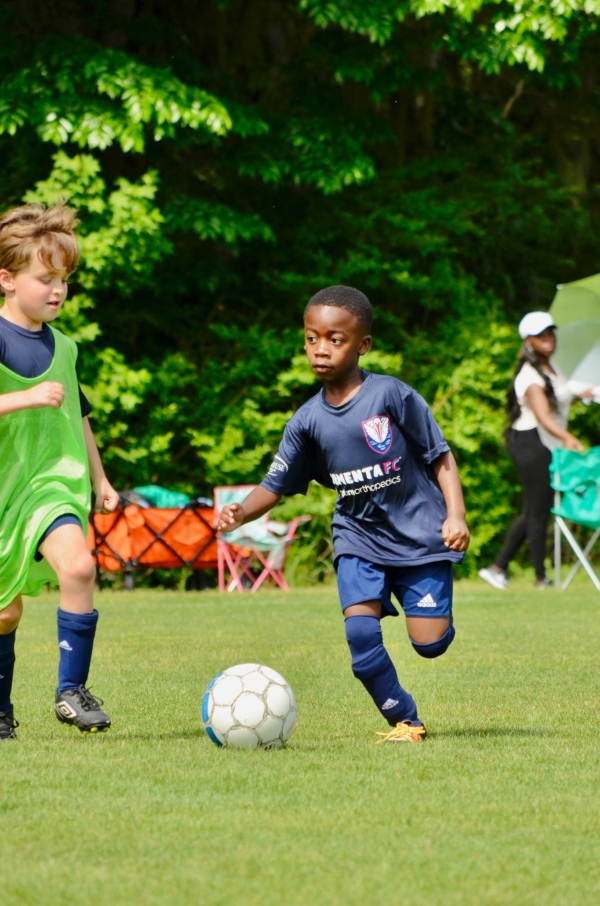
256,552
576,481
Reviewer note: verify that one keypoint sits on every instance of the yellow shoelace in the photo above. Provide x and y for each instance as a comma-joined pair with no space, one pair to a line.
402,733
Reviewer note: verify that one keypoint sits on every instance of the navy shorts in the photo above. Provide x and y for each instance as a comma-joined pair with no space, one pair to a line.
67,519
422,591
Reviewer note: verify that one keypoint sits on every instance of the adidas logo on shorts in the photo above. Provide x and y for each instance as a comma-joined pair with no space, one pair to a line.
427,601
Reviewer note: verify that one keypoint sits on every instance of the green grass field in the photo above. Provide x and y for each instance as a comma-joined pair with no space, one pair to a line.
499,806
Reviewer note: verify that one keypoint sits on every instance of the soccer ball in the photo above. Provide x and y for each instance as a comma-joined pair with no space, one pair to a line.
249,706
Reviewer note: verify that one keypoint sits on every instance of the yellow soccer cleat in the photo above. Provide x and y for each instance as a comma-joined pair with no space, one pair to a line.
403,732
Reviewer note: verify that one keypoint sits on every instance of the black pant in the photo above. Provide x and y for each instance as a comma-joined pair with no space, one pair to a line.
532,460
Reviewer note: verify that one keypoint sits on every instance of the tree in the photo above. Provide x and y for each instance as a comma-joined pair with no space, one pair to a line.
230,158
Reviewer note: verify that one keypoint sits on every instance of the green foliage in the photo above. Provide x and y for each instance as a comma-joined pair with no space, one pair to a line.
94,97
234,460
376,21
115,394
492,35
125,238
216,221
470,407
310,559
315,153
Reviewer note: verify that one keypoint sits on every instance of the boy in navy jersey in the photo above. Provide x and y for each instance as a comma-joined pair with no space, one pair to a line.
399,521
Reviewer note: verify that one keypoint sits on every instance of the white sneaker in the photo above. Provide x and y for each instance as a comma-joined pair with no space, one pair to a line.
494,578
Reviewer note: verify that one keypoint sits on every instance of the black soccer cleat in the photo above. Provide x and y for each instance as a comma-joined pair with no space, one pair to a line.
81,709
8,725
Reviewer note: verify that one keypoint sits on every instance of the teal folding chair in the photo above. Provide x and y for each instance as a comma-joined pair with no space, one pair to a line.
575,478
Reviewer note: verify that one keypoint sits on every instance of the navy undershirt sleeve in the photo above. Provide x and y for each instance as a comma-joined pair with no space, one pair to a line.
86,406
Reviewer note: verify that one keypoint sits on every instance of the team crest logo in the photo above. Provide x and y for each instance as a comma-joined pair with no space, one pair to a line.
378,433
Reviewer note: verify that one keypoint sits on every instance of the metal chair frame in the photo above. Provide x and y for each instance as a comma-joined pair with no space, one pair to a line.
238,557
561,528
569,477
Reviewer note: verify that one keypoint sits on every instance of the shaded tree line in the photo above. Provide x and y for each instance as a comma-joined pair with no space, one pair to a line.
231,157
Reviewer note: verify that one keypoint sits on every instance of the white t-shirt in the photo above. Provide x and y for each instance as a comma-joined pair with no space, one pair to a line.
564,397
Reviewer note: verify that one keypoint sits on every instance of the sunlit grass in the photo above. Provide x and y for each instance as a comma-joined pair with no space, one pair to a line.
499,805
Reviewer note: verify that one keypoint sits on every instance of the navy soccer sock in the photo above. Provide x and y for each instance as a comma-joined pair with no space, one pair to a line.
76,633
372,665
7,668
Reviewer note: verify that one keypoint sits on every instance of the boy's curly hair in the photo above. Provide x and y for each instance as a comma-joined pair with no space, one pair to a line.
345,297
35,228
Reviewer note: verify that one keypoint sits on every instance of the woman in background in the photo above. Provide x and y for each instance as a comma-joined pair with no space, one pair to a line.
538,406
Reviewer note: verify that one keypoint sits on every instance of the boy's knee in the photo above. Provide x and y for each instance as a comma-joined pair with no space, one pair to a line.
10,617
434,649
365,641
81,568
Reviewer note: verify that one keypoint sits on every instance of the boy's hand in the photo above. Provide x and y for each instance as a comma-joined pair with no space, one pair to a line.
455,534
231,517
107,499
48,393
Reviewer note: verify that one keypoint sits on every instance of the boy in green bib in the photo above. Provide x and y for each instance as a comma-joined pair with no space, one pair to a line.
49,460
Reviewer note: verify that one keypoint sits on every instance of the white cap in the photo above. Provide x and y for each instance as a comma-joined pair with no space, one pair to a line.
534,323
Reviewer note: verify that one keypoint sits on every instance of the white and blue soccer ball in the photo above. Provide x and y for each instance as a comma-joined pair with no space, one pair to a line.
249,706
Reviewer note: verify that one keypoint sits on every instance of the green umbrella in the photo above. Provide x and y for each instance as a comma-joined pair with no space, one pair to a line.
576,313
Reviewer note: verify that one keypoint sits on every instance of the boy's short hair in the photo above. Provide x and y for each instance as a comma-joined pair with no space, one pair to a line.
35,227
345,297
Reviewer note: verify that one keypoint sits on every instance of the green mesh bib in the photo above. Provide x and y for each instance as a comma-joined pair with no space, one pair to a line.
44,473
